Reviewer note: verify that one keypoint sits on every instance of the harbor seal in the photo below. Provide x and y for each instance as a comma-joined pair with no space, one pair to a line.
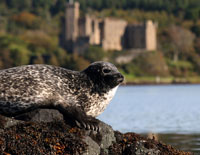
79,96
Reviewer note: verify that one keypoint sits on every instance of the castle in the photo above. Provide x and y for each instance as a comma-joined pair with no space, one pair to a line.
109,33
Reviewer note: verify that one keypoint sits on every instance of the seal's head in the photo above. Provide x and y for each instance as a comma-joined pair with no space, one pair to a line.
104,74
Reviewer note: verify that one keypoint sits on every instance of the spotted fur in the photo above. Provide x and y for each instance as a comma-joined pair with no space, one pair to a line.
30,87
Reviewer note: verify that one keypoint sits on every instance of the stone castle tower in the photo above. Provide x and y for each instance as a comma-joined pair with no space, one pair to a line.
72,17
70,25
111,34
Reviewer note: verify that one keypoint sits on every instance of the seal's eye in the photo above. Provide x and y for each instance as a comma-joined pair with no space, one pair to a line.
106,70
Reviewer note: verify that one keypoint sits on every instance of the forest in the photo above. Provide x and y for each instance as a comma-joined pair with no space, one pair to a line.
29,34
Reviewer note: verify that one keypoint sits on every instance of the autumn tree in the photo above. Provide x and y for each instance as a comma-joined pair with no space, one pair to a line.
27,20
181,40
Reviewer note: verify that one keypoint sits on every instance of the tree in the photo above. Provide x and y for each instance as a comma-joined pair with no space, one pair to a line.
27,20
19,4
58,7
147,64
152,63
77,62
5,59
181,40
39,39
14,51
94,53
196,29
193,14
20,54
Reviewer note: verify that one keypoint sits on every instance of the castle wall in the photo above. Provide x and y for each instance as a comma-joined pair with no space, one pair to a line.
89,27
113,31
140,36
134,37
93,30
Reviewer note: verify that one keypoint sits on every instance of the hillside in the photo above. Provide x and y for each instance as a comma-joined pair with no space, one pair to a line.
29,34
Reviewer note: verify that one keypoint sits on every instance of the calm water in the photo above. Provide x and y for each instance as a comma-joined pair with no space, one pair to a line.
172,112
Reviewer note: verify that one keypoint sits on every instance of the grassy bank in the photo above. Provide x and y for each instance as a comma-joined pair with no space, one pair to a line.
130,79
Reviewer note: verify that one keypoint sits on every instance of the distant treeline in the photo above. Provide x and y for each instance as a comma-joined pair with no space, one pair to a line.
190,9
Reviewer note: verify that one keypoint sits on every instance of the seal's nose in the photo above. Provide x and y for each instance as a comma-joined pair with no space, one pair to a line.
120,78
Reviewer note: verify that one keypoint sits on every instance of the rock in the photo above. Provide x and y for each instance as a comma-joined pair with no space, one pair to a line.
47,135
47,115
6,122
107,136
42,115
93,147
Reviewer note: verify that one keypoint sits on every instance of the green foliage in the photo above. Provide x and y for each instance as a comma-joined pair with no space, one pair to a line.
134,16
94,53
26,20
31,31
180,68
147,64
132,69
15,50
19,4
181,64
193,14
77,62
189,8
177,42
20,54
59,6
196,29
39,39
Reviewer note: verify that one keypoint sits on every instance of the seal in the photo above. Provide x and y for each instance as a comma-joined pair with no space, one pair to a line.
79,96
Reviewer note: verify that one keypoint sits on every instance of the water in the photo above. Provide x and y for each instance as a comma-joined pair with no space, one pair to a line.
172,112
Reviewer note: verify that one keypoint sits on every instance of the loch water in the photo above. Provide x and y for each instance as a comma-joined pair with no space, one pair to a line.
170,112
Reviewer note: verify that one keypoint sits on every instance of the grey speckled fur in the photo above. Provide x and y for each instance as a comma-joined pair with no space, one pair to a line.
30,87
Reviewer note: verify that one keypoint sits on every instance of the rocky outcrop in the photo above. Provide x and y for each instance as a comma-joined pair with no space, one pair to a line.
45,135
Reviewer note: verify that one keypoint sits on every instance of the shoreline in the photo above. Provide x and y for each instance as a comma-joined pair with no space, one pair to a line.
153,84
161,81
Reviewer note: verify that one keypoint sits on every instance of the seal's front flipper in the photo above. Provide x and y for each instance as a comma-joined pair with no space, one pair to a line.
88,123
77,117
